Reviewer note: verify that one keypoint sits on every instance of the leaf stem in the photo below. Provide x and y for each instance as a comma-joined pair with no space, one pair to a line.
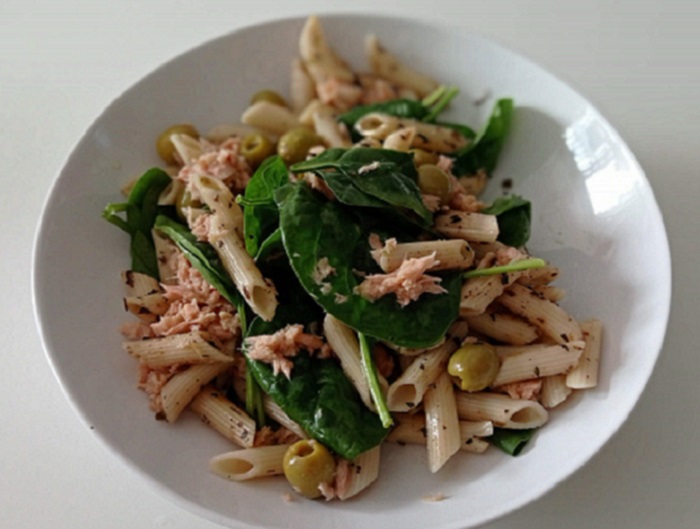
374,388
433,96
253,399
517,266
447,96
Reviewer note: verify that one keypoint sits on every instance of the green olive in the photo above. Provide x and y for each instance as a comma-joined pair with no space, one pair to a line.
475,365
434,181
256,148
165,147
306,465
422,157
294,145
268,95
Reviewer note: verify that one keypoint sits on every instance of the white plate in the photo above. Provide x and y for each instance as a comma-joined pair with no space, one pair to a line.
594,215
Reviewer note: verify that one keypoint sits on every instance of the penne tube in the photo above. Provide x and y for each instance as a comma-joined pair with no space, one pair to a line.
215,410
187,148
501,410
169,196
328,128
585,374
270,118
554,391
273,411
226,237
346,347
179,391
250,463
410,429
319,59
407,391
389,67
535,361
400,140
427,135
441,422
370,143
166,250
503,327
452,254
189,348
539,276
479,292
360,473
138,284
301,86
147,307
550,293
476,227
550,318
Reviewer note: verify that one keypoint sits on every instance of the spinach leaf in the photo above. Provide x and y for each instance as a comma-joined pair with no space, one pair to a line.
511,441
314,228
204,258
318,395
513,214
484,151
141,209
260,216
361,176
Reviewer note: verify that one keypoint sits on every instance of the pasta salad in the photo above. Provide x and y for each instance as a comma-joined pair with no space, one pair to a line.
323,278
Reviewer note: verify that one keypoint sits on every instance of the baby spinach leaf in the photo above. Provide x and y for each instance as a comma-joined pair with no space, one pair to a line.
318,396
361,176
260,216
141,209
203,257
483,152
314,228
511,441
513,214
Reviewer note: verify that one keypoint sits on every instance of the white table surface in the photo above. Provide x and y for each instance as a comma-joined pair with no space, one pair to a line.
62,62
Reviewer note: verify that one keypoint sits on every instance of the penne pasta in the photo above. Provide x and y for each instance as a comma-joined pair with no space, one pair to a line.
550,318
301,86
270,118
360,473
410,429
479,292
147,307
179,391
319,59
166,249
502,327
328,128
535,361
259,293
215,410
476,227
389,67
274,412
501,410
426,135
250,463
452,254
400,140
222,132
187,148
138,284
189,348
407,391
441,422
554,391
585,374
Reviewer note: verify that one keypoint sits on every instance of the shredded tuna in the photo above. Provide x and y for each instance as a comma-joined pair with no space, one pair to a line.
327,491
223,162
408,282
460,199
375,241
340,95
431,202
319,184
266,436
322,270
525,390
343,471
136,330
197,306
277,349
508,254
200,227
